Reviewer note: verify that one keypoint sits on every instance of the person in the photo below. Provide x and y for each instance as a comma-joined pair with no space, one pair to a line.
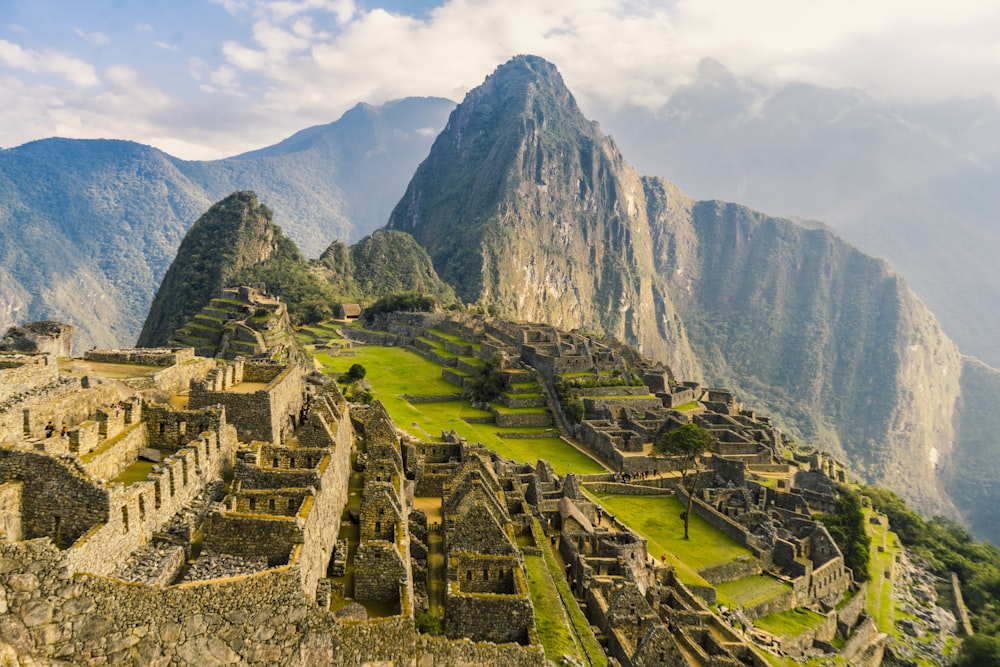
49,429
64,433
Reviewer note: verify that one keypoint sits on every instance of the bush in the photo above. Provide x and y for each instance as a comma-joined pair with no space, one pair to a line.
488,383
428,622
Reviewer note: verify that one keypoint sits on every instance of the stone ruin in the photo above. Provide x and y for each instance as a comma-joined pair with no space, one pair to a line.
236,513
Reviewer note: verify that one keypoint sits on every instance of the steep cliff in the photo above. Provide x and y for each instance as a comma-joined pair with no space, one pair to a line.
807,327
525,206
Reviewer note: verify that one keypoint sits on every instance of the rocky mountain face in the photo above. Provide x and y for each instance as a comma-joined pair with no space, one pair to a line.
88,228
526,207
915,185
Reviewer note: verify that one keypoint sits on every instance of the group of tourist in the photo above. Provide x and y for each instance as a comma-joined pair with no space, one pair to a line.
50,429
626,477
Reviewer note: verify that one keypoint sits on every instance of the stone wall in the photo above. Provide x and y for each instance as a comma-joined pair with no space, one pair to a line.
731,571
21,373
135,512
11,494
111,460
441,652
58,501
379,572
522,419
143,356
260,415
66,404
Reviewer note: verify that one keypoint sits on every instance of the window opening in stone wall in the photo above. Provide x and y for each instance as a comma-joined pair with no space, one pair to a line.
486,574
378,527
156,493
270,504
142,508
163,428
276,461
184,471
125,517
253,504
468,575
171,473
291,504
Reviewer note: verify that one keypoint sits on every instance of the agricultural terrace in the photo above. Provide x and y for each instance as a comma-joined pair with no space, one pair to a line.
658,519
400,378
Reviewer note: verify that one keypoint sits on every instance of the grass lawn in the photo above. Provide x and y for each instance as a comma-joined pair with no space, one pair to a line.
750,591
394,371
550,618
657,518
790,623
879,602
547,585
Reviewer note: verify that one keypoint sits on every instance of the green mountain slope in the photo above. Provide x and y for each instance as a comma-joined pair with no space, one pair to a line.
88,228
382,263
523,204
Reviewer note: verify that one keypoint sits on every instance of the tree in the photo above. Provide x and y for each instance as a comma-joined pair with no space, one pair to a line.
685,443
356,372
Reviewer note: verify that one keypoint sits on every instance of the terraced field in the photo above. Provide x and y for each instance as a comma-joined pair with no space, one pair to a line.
424,404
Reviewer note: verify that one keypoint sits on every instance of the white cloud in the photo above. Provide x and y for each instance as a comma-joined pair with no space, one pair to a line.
94,38
166,47
75,71
304,62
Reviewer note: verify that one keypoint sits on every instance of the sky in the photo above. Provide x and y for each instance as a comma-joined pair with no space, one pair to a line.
205,79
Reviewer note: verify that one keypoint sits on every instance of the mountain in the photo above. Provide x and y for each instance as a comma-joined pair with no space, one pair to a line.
88,227
384,262
337,180
233,235
527,207
917,185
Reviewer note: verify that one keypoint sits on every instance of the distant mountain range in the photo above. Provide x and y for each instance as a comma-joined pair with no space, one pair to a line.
88,228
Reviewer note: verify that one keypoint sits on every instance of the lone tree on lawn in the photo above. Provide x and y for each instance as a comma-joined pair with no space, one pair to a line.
686,442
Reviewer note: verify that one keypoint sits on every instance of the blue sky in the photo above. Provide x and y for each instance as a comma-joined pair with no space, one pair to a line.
209,78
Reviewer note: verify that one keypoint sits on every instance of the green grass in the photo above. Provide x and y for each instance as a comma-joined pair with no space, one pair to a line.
657,518
550,620
684,407
394,371
879,602
136,472
547,585
790,623
750,591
